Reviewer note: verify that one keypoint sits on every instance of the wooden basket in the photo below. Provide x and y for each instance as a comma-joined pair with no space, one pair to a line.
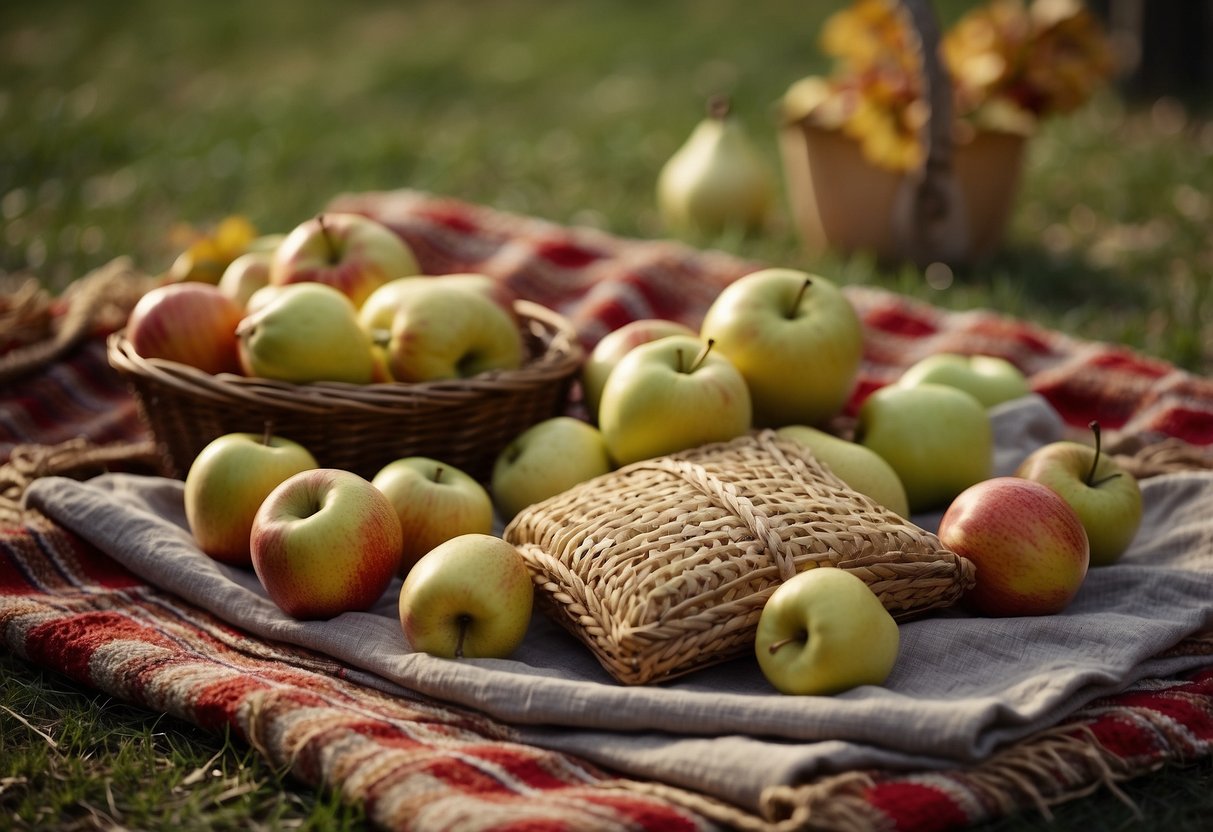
663,566
465,423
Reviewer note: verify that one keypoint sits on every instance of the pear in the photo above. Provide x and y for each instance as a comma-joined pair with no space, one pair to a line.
307,332
717,181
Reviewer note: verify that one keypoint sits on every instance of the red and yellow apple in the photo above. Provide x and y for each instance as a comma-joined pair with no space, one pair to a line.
1028,545
324,542
191,323
350,252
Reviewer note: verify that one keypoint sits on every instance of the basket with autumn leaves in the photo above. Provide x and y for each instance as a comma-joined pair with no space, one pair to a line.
906,106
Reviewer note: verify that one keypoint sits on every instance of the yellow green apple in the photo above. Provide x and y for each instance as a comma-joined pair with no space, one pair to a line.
669,395
1106,497
435,501
614,346
825,631
938,439
307,332
991,379
795,338
470,597
545,459
228,481
861,468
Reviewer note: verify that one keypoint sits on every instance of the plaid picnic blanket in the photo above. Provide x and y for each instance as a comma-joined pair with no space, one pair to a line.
416,763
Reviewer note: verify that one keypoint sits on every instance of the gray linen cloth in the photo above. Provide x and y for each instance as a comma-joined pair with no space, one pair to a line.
963,686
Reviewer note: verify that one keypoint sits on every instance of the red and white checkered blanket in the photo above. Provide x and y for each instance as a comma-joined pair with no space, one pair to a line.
419,764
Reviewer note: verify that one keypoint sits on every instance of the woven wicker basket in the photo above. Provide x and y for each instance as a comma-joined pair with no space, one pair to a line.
663,566
360,428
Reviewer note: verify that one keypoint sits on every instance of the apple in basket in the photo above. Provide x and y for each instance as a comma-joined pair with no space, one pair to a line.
614,346
937,438
350,252
324,542
435,501
989,378
545,459
470,597
1106,497
861,468
377,310
190,323
669,395
1028,545
442,330
228,481
245,275
307,332
795,338
825,631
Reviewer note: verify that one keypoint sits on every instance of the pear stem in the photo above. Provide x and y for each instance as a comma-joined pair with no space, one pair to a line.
804,287
703,354
328,238
719,106
801,636
464,621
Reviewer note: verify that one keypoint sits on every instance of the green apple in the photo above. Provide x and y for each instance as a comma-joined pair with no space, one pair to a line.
614,346
443,330
350,252
861,468
377,311
1028,545
435,502
989,378
228,481
307,332
324,542
937,438
1106,497
795,338
470,597
824,631
545,459
669,395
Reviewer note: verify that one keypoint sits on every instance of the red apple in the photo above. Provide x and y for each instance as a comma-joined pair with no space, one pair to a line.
191,323
349,252
324,542
1028,545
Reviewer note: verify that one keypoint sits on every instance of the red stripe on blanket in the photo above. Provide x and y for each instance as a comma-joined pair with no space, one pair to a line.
916,807
67,645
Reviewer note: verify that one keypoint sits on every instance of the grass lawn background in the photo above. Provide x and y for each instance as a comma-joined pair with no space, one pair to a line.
119,120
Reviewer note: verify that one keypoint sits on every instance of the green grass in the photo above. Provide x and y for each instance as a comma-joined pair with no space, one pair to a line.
118,120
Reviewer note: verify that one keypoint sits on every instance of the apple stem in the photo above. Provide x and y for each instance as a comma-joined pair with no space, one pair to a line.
1090,478
801,636
267,433
804,287
464,621
719,107
324,230
703,353
438,474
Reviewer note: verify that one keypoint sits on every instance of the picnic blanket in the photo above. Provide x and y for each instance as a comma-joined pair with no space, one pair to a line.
426,743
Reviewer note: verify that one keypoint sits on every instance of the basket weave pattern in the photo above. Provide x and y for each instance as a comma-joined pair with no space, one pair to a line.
663,566
464,423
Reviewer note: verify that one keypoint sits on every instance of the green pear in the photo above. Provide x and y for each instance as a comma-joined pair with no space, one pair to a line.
861,468
307,332
717,181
